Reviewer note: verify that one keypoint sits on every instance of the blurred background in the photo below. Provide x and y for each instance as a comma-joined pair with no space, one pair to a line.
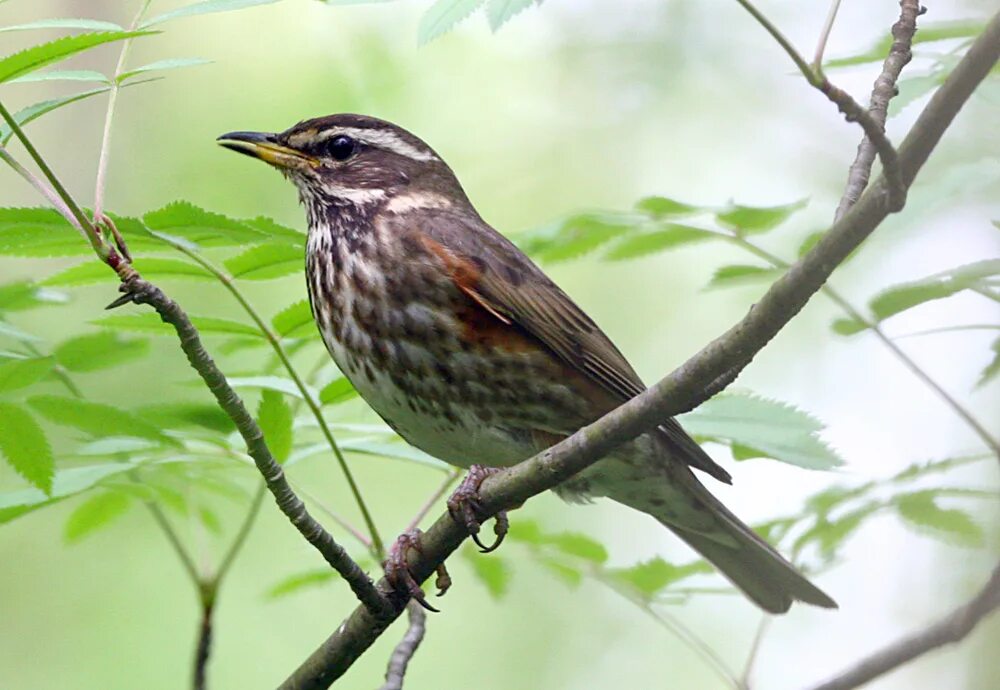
574,105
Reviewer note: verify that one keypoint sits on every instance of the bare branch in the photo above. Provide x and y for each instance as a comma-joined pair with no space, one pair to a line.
952,628
684,388
406,648
878,107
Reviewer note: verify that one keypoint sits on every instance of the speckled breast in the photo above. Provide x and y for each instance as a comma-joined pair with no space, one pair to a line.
447,375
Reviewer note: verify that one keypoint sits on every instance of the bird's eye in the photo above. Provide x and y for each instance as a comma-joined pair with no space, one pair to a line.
341,147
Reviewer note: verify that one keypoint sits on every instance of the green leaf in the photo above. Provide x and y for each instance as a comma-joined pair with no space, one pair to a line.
21,373
567,573
920,510
993,368
578,545
151,323
97,272
751,220
99,351
662,207
911,89
393,450
23,296
337,391
95,419
267,261
271,383
848,326
773,429
62,75
294,321
741,274
275,419
24,445
38,232
276,230
672,235
500,12
174,415
652,576
299,581
830,535
65,483
94,513
160,65
8,331
929,32
899,298
205,7
492,571
39,56
68,23
442,17
201,227
574,236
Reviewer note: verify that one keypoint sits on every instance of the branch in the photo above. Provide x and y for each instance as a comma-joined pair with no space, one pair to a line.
143,292
684,388
952,628
406,648
878,107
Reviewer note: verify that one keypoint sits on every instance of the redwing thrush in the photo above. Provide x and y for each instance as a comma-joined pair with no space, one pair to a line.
470,352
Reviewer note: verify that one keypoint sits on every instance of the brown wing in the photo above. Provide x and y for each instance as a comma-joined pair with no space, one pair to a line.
505,282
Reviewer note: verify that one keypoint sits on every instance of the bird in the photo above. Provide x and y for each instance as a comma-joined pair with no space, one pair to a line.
472,354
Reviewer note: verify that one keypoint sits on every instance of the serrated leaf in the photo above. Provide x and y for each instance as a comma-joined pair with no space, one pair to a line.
848,326
97,272
442,17
274,417
205,7
910,89
267,261
174,415
294,321
672,235
574,236
830,535
299,581
775,429
160,65
276,230
62,75
39,56
151,323
742,274
393,450
492,571
65,483
99,351
94,513
23,444
337,391
21,373
38,232
95,419
662,207
920,510
899,298
204,228
651,577
500,12
67,23
23,296
751,220
993,368
935,31
578,545
271,383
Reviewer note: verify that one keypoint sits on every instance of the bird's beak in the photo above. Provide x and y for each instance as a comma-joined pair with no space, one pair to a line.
264,146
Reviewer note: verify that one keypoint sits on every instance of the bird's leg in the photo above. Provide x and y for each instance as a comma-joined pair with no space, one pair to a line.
397,569
464,507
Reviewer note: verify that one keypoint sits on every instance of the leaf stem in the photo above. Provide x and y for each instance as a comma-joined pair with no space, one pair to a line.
182,553
824,36
43,189
313,405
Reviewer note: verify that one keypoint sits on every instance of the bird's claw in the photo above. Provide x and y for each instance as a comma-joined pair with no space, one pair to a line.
397,570
464,507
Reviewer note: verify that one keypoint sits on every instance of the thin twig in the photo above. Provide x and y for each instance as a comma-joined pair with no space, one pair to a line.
682,389
241,536
182,553
42,188
824,36
275,342
951,629
758,638
105,154
878,106
406,648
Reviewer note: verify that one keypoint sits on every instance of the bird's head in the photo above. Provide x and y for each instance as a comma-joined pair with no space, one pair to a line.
350,160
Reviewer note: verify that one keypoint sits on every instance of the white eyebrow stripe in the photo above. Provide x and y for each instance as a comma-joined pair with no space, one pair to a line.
383,139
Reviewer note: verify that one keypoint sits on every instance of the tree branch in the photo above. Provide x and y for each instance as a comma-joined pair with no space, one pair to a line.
406,648
952,628
684,388
878,107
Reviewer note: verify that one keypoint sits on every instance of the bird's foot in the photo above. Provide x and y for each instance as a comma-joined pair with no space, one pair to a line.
464,507
397,570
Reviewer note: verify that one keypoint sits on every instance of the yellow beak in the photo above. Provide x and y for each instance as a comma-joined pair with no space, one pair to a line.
264,146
